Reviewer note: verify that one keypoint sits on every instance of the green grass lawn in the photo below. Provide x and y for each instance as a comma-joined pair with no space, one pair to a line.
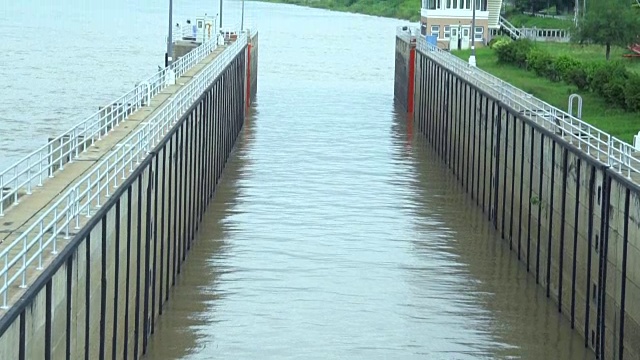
528,21
590,53
595,110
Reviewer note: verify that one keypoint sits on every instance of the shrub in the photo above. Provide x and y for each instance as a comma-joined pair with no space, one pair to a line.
499,41
578,77
515,52
613,91
566,66
598,77
502,43
522,48
505,53
541,62
632,93
592,69
608,79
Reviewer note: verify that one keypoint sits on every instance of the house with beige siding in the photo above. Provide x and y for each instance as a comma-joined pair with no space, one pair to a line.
450,21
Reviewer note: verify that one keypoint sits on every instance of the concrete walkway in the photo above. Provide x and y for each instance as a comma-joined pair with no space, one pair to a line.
19,217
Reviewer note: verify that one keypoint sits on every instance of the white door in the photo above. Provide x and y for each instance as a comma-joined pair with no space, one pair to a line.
466,38
453,38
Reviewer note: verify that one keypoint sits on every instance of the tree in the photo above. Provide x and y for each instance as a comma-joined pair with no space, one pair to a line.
609,23
561,6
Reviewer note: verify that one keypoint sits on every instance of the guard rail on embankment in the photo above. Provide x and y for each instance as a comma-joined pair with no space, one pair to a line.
135,215
564,194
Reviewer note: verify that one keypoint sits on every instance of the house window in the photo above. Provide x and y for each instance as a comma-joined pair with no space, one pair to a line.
479,32
435,30
449,2
447,32
480,5
467,4
433,4
423,29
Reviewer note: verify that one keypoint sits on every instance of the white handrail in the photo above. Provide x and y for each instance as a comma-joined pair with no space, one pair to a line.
94,188
33,169
181,32
606,148
407,33
509,27
533,33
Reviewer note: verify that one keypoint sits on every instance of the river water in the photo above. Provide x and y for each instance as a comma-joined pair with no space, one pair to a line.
63,59
336,233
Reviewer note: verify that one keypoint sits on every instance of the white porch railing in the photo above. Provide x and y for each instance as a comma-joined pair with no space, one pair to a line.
32,170
548,16
87,195
609,150
555,35
508,27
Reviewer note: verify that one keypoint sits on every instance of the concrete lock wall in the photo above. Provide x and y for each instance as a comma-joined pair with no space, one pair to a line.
573,222
101,296
252,69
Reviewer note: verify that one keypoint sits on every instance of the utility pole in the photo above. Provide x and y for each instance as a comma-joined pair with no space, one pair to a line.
472,58
242,20
168,57
220,15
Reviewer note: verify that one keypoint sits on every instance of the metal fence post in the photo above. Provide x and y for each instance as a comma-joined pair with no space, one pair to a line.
2,195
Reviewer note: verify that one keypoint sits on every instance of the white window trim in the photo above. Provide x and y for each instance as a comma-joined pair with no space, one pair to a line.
479,35
435,30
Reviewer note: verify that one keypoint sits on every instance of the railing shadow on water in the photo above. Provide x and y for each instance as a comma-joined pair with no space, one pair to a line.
89,193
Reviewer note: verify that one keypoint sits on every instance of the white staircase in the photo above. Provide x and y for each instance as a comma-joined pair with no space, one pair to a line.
509,29
494,7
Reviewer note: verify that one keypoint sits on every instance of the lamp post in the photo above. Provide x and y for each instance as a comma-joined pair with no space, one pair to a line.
472,58
220,15
241,20
168,57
